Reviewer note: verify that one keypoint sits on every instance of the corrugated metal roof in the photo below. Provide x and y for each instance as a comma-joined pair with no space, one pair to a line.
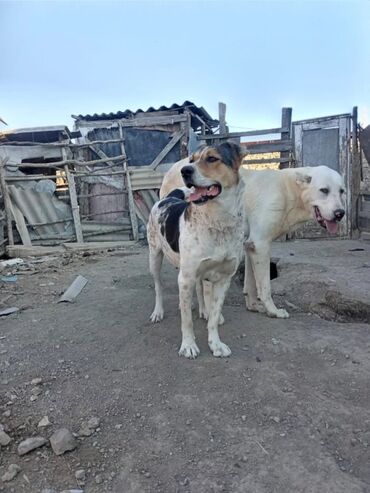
35,134
197,110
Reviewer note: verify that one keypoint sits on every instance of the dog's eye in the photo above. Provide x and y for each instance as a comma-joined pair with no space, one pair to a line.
342,191
211,159
324,190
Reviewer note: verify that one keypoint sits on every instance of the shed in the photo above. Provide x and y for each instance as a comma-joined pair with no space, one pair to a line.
148,141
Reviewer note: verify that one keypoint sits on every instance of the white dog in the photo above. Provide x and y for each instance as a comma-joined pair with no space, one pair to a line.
275,202
200,229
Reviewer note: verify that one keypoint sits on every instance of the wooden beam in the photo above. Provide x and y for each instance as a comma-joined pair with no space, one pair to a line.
286,123
175,138
246,162
21,224
7,203
74,204
222,118
130,195
272,146
248,133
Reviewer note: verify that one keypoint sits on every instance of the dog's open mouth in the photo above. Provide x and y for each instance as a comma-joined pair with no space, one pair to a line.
200,195
331,226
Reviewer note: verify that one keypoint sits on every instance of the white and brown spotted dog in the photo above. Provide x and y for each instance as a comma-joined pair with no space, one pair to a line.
275,202
200,229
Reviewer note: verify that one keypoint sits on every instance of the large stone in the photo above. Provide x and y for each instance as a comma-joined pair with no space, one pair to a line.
31,444
62,441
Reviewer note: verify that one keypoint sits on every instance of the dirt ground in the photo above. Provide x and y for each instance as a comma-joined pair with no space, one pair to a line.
289,411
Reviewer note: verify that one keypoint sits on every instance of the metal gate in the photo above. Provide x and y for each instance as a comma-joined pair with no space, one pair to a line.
325,141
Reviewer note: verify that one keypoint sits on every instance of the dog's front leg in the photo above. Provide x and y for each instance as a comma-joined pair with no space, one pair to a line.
250,289
188,348
201,299
260,259
218,348
207,289
155,264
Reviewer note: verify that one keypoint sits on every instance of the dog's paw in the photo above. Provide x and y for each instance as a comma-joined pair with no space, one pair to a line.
221,320
219,349
254,306
203,314
278,313
156,316
189,350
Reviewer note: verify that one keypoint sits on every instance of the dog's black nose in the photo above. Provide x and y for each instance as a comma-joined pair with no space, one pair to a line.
339,213
187,171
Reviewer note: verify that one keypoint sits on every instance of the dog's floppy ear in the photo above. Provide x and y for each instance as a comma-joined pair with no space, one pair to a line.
302,178
231,154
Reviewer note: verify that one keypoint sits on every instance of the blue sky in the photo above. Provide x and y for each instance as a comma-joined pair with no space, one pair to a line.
68,57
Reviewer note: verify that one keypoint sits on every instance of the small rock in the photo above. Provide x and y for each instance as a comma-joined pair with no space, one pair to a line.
98,479
31,444
7,413
34,398
36,391
80,475
11,473
119,426
244,417
84,431
275,418
93,423
62,441
36,381
4,439
44,422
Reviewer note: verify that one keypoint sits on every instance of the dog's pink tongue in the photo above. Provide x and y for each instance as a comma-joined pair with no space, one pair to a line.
197,194
332,226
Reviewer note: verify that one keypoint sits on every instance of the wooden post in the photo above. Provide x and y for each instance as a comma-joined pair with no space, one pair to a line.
7,203
74,204
130,195
222,118
355,174
286,123
73,197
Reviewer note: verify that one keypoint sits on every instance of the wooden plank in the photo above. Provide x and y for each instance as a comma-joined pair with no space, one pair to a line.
286,123
365,208
7,203
322,119
176,137
74,204
266,161
223,129
130,196
21,224
272,146
249,133
104,245
16,251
